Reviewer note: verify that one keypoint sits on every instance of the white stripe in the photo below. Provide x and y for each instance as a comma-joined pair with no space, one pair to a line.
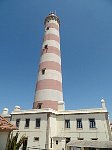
52,21
48,94
52,31
50,57
50,74
51,43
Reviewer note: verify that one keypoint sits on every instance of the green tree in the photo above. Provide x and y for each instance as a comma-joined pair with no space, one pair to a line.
13,143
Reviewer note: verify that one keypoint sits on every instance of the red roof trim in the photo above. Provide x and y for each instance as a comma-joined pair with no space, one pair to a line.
6,125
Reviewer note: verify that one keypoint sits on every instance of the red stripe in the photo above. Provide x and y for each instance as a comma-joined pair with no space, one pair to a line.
50,65
51,49
46,104
49,84
51,37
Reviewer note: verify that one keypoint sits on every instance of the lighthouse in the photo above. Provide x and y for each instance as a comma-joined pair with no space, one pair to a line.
48,91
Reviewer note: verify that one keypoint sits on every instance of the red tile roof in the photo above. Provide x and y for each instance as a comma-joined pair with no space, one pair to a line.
6,125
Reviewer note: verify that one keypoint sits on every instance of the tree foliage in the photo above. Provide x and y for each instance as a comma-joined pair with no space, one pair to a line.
13,143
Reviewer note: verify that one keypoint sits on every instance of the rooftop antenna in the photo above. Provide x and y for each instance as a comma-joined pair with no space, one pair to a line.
55,12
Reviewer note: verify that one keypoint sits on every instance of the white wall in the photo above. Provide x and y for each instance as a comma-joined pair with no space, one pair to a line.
54,127
32,131
58,146
100,132
3,140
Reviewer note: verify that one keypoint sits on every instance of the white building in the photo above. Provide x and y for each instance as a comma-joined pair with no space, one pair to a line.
48,125
51,129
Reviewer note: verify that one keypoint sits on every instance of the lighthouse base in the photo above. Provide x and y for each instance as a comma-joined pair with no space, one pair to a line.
45,104
61,106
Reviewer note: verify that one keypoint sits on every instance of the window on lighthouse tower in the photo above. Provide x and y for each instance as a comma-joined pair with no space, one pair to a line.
39,105
46,46
45,49
47,28
43,71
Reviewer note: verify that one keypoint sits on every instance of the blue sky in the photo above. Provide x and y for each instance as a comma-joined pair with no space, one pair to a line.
86,46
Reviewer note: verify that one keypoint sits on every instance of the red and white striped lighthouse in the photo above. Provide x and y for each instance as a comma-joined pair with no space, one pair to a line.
48,93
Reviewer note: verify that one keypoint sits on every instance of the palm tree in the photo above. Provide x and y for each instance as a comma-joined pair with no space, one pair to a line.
13,144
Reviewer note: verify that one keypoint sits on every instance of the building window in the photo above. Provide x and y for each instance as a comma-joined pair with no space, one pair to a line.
51,143
79,123
80,138
92,123
94,139
67,140
17,122
36,139
27,123
56,142
37,123
43,71
67,123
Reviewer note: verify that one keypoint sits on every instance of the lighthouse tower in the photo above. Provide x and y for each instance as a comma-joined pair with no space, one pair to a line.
48,92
